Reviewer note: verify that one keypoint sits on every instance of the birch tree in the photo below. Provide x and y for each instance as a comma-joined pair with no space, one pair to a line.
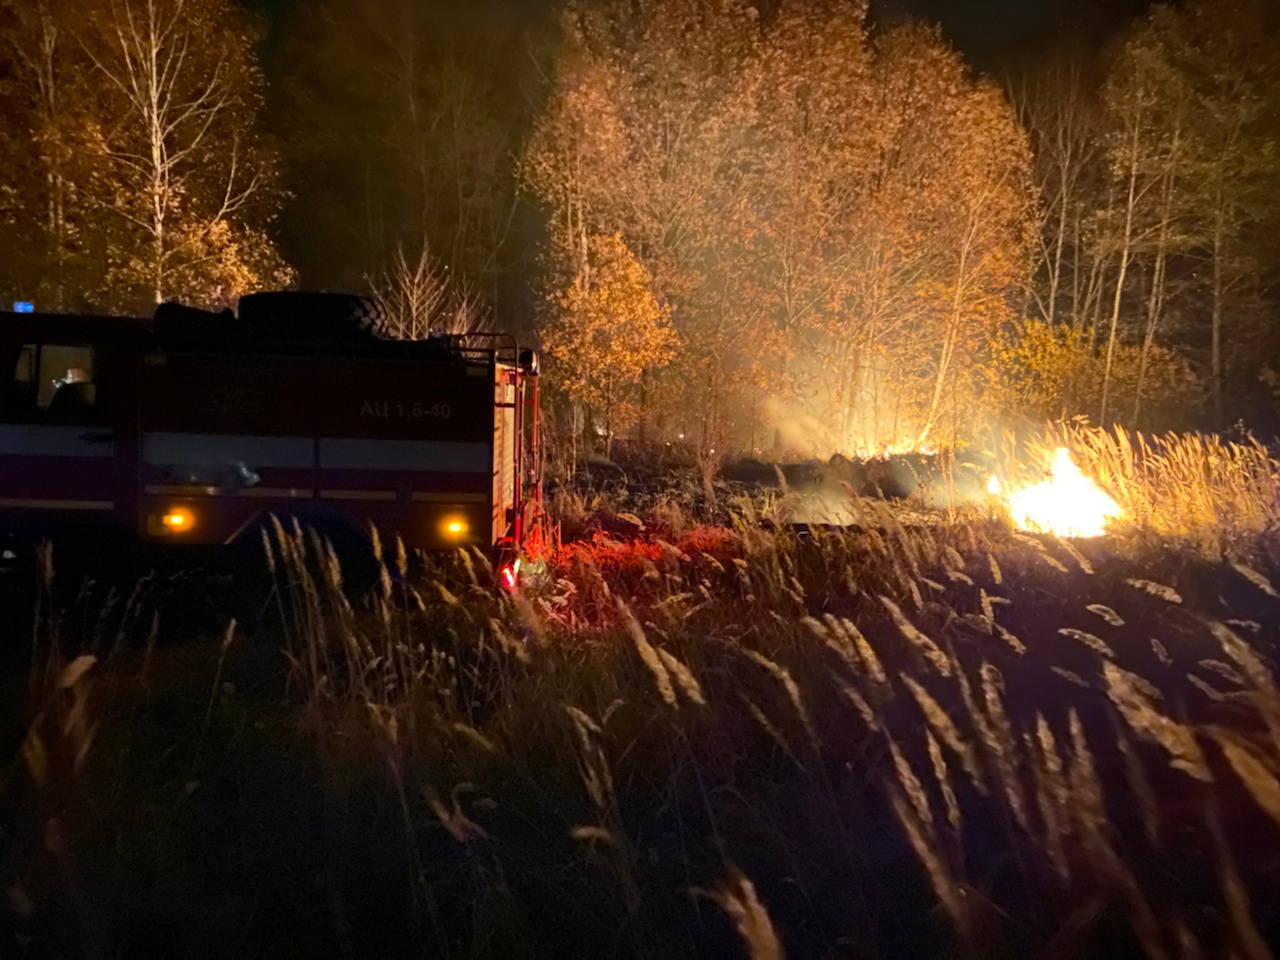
181,166
54,253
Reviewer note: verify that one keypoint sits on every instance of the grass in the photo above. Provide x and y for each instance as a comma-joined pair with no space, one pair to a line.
680,740
1209,494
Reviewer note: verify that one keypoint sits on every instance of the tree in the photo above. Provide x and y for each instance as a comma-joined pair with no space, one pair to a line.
1222,51
826,216
607,329
422,299
183,168
1192,96
402,123
145,177
51,237
1059,108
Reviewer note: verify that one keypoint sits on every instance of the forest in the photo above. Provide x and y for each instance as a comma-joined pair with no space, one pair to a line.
1007,326
804,227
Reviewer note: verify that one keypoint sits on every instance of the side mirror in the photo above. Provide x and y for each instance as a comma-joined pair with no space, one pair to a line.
529,362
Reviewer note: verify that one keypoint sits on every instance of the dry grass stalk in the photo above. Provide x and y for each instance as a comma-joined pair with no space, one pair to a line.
1051,795
1094,643
944,727
1106,613
649,656
1161,653
1053,561
593,767
1137,777
470,733
1239,651
996,575
1178,740
1167,594
833,638
767,725
1249,939
1208,691
788,684
859,702
1087,804
1253,772
941,774
461,827
932,652
944,886
588,833
1076,555
874,668
1000,742
1267,698
914,788
737,897
685,680
1189,486
1255,578
1224,670
1017,645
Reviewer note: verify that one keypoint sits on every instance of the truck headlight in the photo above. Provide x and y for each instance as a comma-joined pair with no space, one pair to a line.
178,520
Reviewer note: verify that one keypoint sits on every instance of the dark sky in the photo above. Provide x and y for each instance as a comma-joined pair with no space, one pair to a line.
998,34
994,34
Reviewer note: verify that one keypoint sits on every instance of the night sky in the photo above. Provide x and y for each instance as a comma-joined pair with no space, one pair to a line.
999,34
995,35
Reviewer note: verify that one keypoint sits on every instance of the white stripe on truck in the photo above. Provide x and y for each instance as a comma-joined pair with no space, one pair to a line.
447,456
213,449
29,503
37,440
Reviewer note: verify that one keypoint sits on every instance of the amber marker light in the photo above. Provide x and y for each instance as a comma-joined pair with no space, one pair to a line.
455,528
178,520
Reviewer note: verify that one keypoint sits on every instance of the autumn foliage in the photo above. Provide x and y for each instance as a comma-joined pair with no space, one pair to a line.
136,171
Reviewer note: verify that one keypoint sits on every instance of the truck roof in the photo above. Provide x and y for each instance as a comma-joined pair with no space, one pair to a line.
16,326
186,329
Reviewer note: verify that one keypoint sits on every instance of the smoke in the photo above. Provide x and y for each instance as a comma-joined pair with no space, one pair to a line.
857,413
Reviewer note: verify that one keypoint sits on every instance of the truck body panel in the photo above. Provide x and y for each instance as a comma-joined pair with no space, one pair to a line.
108,422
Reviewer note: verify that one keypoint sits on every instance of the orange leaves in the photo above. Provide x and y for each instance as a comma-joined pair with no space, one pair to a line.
608,326
794,189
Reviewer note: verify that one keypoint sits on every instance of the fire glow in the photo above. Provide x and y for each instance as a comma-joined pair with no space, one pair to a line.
1067,504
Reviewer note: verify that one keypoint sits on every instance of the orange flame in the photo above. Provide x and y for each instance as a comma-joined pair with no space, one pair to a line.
1068,504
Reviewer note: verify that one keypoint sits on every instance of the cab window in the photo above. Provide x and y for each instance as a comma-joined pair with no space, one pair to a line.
55,382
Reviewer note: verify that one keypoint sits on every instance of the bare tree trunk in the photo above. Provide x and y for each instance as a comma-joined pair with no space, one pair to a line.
1126,252
1215,359
1155,304
953,331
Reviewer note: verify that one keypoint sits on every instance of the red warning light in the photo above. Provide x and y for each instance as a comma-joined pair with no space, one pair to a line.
507,576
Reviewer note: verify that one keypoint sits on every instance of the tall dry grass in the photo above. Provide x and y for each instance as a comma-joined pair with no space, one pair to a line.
910,739
1199,488
1001,731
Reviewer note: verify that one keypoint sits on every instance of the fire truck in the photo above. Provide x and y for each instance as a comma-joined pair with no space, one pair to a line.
197,428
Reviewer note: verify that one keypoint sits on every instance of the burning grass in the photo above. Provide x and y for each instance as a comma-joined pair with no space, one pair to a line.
693,740
1199,490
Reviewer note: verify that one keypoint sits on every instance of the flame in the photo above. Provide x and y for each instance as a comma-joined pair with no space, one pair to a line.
898,448
1068,504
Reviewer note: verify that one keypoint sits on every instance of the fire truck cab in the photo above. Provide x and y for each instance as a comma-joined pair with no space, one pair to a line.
193,427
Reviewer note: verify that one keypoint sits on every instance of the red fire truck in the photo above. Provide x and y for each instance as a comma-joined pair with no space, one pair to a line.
193,427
